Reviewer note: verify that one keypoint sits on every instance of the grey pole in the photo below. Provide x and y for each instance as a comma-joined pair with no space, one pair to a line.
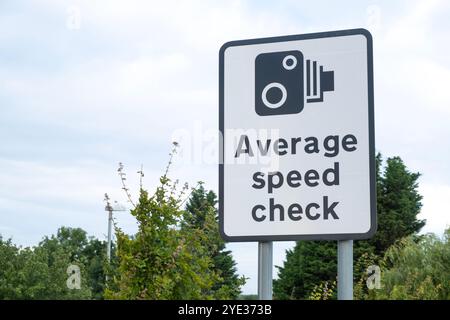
265,264
108,249
345,270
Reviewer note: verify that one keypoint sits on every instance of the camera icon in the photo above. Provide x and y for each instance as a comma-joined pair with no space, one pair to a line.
279,82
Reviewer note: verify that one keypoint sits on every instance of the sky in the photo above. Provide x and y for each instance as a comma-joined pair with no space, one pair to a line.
87,84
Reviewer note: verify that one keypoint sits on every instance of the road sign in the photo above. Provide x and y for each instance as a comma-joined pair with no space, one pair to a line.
297,144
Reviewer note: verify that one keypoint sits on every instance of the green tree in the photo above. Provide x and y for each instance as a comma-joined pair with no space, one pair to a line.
201,208
9,264
163,260
307,265
416,269
398,205
312,263
199,204
97,267
37,273
88,251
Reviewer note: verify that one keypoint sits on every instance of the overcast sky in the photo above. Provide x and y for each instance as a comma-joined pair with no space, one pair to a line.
86,84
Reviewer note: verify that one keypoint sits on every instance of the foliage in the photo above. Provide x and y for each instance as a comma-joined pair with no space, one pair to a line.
416,269
40,272
88,251
360,275
201,209
163,260
311,263
37,273
398,204
324,291
307,264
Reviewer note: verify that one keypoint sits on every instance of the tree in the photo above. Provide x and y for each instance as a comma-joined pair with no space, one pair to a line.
201,208
314,262
73,240
40,272
163,260
88,251
97,267
307,265
416,269
198,205
37,273
8,269
398,205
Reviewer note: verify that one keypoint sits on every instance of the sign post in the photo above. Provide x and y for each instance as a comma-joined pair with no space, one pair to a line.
297,155
265,264
345,270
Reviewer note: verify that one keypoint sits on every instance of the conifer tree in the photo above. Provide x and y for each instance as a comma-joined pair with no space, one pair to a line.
201,206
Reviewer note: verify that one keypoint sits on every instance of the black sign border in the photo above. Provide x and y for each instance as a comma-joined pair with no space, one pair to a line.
294,237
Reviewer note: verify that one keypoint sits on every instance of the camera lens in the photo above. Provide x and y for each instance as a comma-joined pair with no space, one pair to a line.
279,79
289,62
272,86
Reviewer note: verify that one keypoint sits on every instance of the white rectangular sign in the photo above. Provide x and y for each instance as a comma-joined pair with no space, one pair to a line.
297,146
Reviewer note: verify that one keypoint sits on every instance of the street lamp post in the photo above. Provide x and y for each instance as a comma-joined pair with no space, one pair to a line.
110,210
110,216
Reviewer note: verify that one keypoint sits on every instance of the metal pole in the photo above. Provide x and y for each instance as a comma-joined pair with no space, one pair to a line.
265,264
345,270
108,249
